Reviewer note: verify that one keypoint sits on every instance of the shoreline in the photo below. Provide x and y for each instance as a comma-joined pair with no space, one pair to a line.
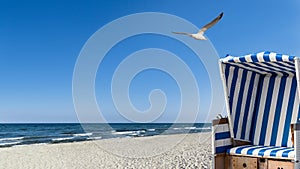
91,139
169,151
27,134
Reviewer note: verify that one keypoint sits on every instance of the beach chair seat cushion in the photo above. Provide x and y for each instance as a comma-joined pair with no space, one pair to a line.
263,151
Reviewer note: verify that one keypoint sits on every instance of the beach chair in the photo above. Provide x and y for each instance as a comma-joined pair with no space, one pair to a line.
262,101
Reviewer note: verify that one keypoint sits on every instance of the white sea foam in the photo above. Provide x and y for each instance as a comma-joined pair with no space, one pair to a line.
25,145
123,132
133,133
150,129
10,143
13,138
82,134
63,138
190,128
204,128
95,138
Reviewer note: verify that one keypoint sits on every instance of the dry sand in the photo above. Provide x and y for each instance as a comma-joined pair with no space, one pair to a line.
163,151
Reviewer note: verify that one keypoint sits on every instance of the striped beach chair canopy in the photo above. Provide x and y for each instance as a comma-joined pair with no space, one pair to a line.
262,98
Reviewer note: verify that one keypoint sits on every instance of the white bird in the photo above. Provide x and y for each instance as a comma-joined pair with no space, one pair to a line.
199,35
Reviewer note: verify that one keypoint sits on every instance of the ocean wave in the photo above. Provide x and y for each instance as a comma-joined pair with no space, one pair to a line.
190,128
24,145
95,138
205,128
35,137
9,144
129,132
151,129
122,132
82,134
12,138
62,139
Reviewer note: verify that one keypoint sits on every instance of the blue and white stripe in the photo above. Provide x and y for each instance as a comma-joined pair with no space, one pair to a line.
264,63
262,97
259,57
263,151
221,138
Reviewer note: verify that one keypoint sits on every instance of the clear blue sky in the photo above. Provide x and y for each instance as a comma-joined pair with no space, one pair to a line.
41,40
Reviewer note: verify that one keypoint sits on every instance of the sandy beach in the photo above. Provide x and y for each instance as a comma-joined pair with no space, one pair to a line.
162,151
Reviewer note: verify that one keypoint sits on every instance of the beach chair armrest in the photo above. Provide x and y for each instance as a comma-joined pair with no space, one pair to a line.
221,139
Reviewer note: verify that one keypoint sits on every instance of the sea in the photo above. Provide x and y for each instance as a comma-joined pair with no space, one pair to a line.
53,133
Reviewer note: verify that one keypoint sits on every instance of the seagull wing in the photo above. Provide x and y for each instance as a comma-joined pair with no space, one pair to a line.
212,23
183,33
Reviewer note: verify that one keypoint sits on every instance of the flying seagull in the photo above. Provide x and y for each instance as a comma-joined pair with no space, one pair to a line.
199,35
